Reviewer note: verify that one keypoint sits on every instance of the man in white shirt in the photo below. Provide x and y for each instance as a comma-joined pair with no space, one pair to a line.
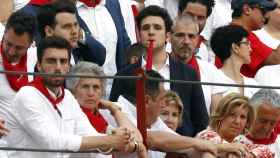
47,116
266,127
159,136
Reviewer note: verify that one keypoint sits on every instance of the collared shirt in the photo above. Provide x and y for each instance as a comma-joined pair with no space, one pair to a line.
130,111
36,124
102,27
164,70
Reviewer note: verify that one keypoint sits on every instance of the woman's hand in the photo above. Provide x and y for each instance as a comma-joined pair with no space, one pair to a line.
240,150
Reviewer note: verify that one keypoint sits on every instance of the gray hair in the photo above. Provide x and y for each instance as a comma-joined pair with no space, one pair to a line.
185,19
84,68
266,96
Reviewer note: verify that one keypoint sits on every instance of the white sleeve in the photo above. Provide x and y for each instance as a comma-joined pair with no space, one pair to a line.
154,2
36,123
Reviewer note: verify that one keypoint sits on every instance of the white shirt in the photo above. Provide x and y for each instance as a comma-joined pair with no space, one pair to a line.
209,73
275,147
2,29
170,5
18,4
164,71
248,92
102,27
221,15
128,17
267,39
36,124
205,53
269,76
158,125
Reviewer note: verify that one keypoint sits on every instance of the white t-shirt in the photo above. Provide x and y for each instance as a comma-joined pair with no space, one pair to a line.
209,73
221,15
269,76
248,92
205,53
267,39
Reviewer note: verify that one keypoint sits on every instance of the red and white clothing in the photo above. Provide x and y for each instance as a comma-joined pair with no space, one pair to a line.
41,120
267,39
260,151
273,142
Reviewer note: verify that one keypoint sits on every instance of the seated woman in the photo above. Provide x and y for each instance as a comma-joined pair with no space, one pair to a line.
230,119
89,91
171,111
231,45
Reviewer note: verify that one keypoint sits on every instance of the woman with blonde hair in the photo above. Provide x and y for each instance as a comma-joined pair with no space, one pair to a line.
231,118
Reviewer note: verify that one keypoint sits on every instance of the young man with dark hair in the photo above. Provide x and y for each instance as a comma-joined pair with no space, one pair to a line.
47,116
155,25
59,19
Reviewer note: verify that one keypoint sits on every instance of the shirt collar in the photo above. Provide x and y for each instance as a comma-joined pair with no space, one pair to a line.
80,4
165,64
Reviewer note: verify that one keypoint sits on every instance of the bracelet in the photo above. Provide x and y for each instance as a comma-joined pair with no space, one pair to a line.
107,152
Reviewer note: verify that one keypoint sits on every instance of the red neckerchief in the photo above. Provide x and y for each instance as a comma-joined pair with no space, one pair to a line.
269,140
193,63
39,2
38,84
96,120
15,81
90,3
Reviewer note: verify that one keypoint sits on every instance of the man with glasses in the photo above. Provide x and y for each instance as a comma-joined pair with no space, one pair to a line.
251,14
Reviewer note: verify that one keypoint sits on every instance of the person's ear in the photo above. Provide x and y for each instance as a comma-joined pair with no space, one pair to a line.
147,99
246,9
38,66
234,48
49,31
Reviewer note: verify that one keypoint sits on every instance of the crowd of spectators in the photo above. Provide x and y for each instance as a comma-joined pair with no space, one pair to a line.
215,41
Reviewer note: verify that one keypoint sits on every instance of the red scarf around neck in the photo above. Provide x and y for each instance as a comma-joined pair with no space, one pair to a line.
193,63
15,81
90,3
96,120
39,2
267,141
38,84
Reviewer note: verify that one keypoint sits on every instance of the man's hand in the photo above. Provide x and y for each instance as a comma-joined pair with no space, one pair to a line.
205,146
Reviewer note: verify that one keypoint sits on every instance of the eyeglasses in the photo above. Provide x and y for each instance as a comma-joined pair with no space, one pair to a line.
248,43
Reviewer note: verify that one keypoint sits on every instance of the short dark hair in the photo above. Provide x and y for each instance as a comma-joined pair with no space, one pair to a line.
151,86
223,37
208,3
52,42
155,11
47,14
136,49
21,23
